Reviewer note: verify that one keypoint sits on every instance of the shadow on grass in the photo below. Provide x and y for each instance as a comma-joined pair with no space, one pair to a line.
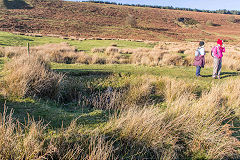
236,128
84,72
225,74
54,114
229,74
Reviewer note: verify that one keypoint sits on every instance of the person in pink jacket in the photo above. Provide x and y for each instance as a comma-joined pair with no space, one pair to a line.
217,53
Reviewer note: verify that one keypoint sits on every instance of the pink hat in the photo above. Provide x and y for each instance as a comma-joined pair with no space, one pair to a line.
219,42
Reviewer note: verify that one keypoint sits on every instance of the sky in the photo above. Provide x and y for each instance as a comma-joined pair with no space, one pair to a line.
198,4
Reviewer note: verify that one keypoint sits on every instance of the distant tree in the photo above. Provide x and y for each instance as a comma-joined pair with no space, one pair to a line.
224,11
131,21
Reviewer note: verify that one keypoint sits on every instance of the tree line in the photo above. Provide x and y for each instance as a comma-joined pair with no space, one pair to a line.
220,11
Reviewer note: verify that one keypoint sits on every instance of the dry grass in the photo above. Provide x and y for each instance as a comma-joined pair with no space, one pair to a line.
230,58
84,58
31,141
199,128
30,76
98,50
22,141
174,89
107,100
189,126
156,57
139,92
2,52
111,51
165,53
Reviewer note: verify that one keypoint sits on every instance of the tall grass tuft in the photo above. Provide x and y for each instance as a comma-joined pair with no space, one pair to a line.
30,76
19,141
32,141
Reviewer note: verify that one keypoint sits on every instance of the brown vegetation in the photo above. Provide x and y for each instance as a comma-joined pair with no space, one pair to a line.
189,126
163,54
87,20
131,21
230,58
31,141
30,76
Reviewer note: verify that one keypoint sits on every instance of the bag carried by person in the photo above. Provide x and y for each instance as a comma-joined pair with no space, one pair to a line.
212,53
197,53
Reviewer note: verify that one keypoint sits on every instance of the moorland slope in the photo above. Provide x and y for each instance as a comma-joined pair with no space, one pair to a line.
84,19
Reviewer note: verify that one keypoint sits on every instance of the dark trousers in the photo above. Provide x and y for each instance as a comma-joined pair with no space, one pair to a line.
198,69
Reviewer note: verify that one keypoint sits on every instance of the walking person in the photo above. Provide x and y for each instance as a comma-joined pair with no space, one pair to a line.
199,60
217,54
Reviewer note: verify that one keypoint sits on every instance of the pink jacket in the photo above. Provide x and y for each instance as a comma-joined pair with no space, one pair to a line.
218,52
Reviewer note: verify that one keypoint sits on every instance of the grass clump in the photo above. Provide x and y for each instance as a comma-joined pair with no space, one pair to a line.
33,141
30,76
187,128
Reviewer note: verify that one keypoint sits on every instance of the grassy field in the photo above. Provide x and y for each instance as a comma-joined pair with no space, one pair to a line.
9,39
65,112
146,108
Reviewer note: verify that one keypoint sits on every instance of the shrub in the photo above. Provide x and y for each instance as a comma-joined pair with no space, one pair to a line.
30,76
187,21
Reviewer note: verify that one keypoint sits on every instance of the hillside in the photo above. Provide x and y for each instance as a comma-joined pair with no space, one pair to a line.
14,4
82,19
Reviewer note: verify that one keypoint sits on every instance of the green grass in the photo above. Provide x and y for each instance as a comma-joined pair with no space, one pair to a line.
1,63
185,73
55,114
90,44
9,39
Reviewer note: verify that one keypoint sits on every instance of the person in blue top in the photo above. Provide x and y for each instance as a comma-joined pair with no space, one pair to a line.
199,60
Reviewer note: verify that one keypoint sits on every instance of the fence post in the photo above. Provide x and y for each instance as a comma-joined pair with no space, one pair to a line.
28,49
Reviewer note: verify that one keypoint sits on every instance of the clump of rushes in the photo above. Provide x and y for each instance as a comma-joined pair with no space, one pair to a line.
30,76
